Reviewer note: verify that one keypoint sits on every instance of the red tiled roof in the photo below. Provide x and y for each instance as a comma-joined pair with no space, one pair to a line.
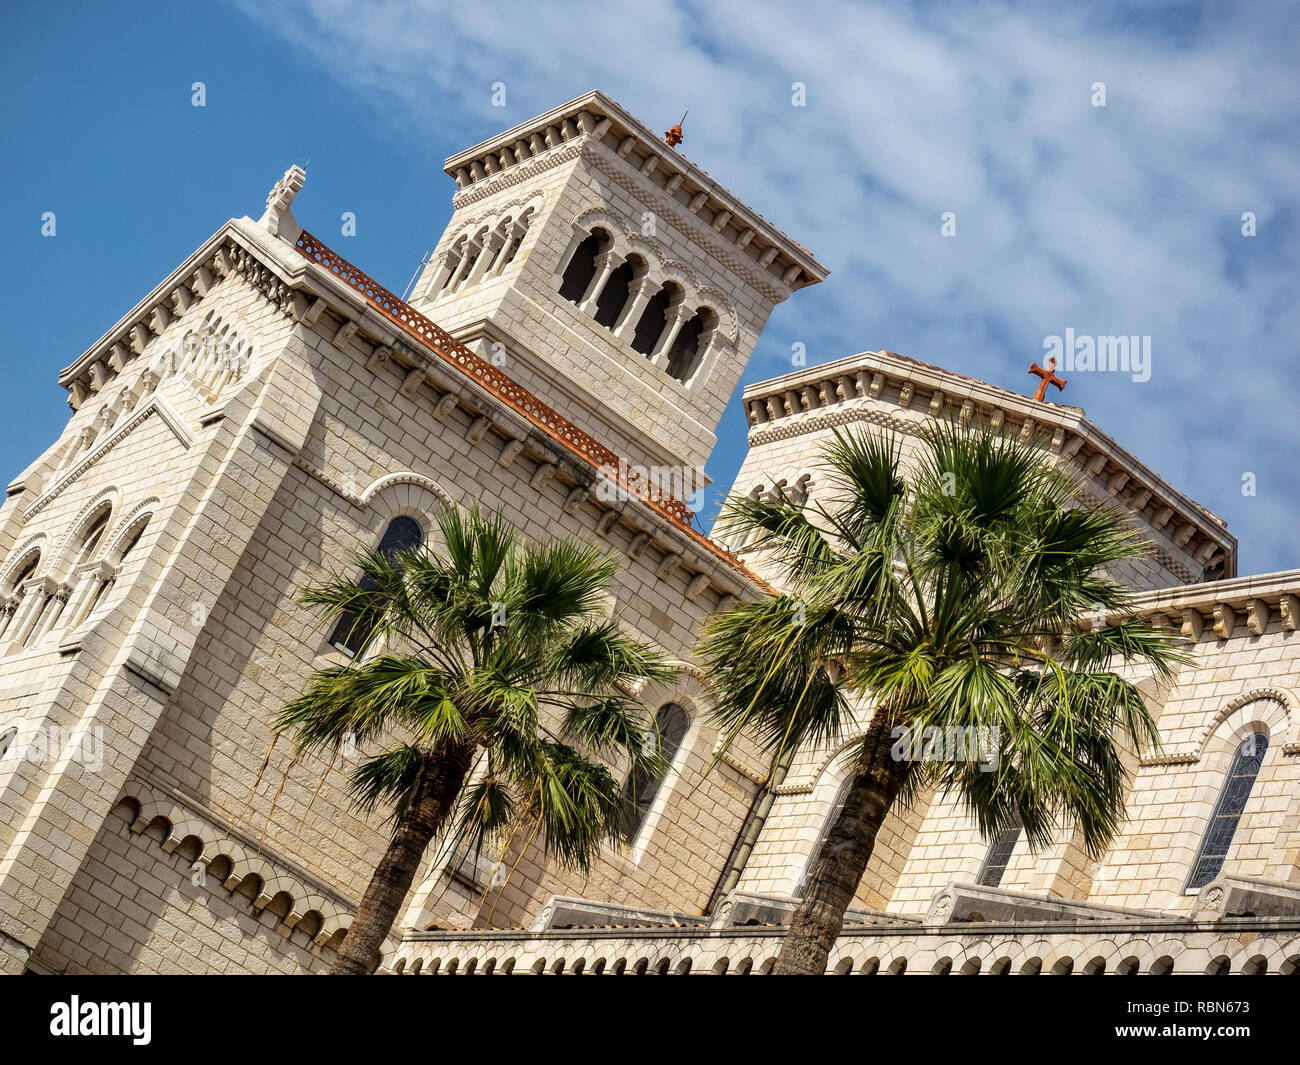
434,338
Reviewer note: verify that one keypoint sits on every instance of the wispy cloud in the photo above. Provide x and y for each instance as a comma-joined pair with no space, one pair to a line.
1123,219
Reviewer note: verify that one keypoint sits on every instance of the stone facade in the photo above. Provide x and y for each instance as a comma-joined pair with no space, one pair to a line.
268,409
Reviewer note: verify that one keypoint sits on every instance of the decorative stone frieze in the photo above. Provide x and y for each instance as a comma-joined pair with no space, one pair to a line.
1109,472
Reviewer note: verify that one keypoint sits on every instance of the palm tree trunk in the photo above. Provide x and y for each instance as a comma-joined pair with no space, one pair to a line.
839,865
434,794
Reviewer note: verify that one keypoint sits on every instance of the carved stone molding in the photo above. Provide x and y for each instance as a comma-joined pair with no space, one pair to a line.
184,818
688,224
1193,752
156,405
516,175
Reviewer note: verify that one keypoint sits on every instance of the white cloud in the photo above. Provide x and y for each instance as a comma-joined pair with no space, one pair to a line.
1121,219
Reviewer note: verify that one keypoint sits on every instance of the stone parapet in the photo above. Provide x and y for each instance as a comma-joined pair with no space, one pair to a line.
1228,896
898,393
1254,946
969,902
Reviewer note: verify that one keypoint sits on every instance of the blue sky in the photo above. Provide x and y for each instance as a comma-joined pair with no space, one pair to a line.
1122,219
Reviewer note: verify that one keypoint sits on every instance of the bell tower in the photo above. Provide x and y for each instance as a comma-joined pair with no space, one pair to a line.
610,276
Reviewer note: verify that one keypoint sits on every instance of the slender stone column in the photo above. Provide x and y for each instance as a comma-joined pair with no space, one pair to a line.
513,234
706,351
606,264
485,260
54,609
437,281
677,317
462,267
625,327
88,579
35,593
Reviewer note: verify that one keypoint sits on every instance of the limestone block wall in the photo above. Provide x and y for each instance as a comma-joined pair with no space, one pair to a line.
949,847
799,815
1170,800
150,459
138,909
1235,686
371,452
792,418
137,480
585,177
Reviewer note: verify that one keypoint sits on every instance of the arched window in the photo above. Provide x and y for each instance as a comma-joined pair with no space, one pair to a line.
613,297
514,238
582,267
653,320
133,537
26,572
1228,810
999,856
98,598
132,540
840,796
350,635
641,787
91,540
687,348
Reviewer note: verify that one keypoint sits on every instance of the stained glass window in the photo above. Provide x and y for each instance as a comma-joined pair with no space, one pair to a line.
1228,810
351,634
999,856
641,787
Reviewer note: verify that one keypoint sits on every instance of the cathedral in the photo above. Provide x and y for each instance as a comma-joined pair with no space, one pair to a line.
565,356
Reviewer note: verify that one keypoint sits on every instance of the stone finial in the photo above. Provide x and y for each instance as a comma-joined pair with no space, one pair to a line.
278,217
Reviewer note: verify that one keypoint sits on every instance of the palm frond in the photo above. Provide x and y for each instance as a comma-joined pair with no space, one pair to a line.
576,801
482,638
768,665
387,779
951,597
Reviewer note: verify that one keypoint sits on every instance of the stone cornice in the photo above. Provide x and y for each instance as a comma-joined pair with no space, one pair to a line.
517,175
233,249
596,118
154,406
692,226
891,390
1240,607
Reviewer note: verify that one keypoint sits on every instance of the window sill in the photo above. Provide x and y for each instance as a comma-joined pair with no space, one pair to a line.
331,659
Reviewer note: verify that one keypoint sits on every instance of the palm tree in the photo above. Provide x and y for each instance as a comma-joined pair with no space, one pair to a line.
971,592
482,648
